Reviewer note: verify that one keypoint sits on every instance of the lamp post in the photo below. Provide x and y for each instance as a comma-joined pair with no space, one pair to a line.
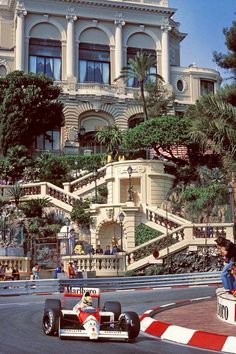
130,170
95,174
121,217
76,168
67,223
81,134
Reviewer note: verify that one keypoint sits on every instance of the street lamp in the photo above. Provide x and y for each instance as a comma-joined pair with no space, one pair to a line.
81,133
67,223
121,217
231,201
76,168
129,170
95,174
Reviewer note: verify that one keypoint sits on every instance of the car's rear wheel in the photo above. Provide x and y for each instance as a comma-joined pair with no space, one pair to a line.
129,321
50,323
113,306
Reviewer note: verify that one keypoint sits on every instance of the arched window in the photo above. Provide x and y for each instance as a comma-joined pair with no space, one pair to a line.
45,57
131,53
134,121
94,64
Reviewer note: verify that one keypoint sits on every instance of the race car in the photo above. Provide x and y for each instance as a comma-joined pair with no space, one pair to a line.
85,320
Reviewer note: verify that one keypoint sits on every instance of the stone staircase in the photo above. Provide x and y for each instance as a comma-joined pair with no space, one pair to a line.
177,233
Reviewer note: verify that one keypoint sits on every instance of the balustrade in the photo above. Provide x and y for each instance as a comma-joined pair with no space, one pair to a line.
86,180
161,220
208,231
99,263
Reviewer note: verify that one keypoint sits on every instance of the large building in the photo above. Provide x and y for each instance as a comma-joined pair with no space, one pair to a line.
82,45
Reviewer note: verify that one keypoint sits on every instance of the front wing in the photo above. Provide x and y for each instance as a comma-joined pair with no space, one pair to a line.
78,333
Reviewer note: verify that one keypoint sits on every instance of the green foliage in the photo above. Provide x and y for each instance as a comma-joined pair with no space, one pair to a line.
159,99
162,134
35,207
52,169
79,213
112,139
213,125
228,61
153,270
84,162
16,192
13,166
201,199
139,69
145,233
103,191
43,227
28,108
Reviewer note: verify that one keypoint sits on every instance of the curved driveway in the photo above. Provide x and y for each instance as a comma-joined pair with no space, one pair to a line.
20,325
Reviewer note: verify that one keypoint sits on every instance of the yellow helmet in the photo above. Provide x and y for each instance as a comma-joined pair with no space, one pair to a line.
88,300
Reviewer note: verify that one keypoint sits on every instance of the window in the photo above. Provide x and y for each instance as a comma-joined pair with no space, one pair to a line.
48,141
207,87
180,85
45,57
131,53
3,71
94,64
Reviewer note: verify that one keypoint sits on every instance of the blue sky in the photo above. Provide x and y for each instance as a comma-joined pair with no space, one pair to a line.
204,21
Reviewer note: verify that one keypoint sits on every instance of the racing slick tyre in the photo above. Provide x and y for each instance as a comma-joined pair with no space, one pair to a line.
129,321
113,306
50,322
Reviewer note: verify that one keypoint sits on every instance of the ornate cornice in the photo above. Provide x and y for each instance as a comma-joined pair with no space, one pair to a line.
125,5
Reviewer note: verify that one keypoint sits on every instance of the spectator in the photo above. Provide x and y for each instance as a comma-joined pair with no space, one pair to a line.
58,270
92,250
71,270
72,237
228,251
15,273
115,249
2,272
36,271
107,250
99,250
78,249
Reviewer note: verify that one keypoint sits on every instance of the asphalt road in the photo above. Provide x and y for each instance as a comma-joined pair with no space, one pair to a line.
20,325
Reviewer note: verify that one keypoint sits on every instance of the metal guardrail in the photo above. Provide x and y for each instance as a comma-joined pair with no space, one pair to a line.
50,286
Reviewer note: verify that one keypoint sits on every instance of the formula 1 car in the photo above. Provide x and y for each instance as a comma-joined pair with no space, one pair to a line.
91,321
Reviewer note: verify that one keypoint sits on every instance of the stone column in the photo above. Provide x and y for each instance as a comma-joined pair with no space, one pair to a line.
20,36
70,45
165,27
118,46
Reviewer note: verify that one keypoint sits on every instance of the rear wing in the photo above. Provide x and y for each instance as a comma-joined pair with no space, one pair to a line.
71,291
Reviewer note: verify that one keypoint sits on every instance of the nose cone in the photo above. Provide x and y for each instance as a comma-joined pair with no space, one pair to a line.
92,327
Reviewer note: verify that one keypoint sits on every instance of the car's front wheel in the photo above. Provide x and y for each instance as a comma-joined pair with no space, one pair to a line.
50,322
129,321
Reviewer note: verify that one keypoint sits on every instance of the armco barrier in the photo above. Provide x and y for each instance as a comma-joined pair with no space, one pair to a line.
48,286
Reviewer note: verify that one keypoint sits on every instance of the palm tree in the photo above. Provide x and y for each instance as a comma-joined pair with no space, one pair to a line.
139,69
213,124
111,138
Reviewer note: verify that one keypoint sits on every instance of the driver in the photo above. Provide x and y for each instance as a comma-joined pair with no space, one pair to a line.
85,302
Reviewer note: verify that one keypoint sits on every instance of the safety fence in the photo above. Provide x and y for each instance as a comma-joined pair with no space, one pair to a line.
50,286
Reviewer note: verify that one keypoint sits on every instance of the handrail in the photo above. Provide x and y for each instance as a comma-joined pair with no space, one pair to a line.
49,286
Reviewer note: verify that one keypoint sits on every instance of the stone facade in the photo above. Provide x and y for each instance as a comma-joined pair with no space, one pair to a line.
66,39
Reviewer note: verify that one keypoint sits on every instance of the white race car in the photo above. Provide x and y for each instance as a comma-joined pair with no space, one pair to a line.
85,320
